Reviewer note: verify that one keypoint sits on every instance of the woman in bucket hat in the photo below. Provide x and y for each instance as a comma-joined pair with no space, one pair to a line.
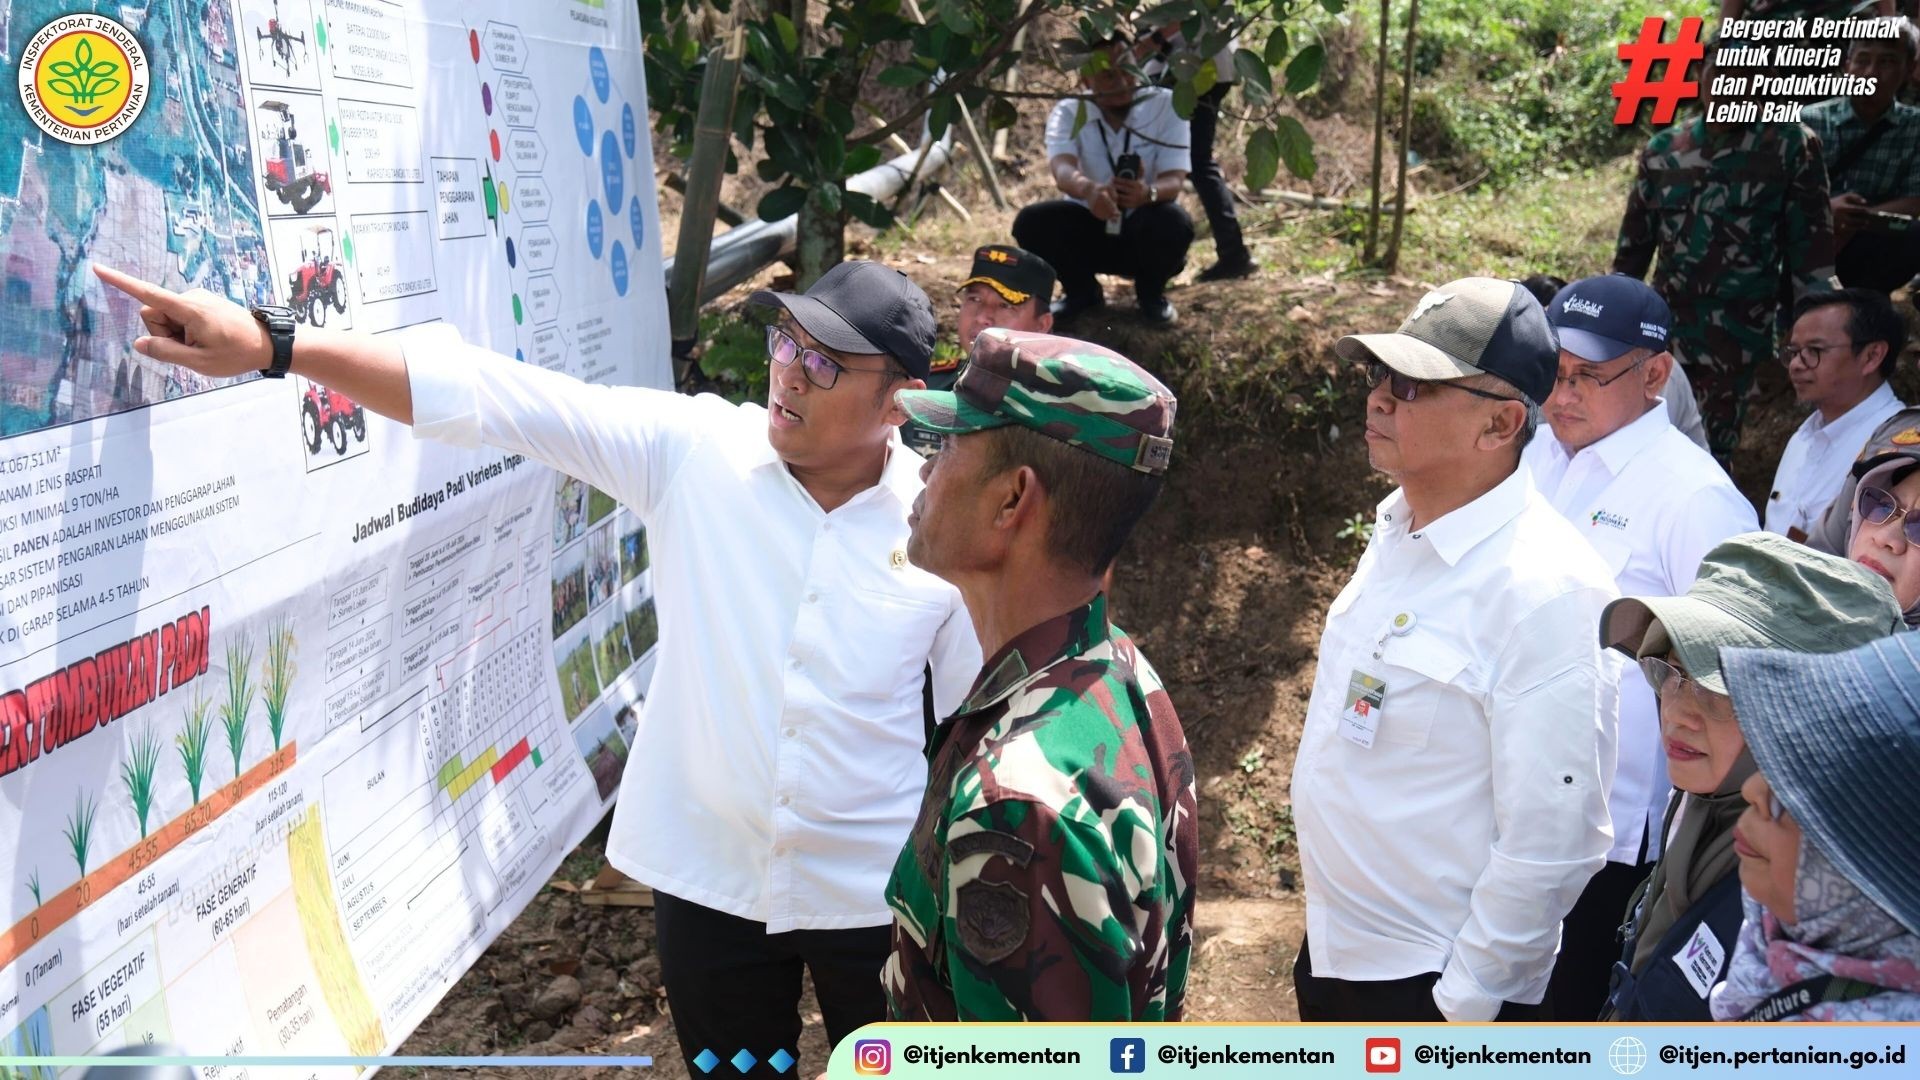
1761,590
1826,850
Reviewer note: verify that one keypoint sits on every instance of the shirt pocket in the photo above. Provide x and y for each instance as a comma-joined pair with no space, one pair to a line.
1422,672
895,632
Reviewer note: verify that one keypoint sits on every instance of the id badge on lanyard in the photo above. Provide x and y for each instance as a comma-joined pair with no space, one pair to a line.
1366,696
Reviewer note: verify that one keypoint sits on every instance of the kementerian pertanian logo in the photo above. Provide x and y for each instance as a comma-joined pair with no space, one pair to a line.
83,78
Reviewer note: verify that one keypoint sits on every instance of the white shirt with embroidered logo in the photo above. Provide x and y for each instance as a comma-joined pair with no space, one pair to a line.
1652,504
1815,462
1461,838
778,764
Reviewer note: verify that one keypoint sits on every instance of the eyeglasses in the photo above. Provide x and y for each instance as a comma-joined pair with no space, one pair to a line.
821,370
1669,682
1407,388
1587,382
1813,353
1877,507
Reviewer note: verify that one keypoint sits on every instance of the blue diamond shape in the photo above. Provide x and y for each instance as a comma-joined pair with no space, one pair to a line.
743,1061
707,1060
781,1061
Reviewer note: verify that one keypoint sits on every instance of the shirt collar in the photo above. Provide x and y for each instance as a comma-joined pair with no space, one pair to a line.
1618,449
1868,407
901,475
1034,650
1462,530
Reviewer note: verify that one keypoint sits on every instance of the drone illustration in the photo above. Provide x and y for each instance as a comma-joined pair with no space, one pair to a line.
282,41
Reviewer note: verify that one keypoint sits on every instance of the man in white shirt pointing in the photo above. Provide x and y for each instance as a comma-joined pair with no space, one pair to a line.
1451,785
779,761
1652,503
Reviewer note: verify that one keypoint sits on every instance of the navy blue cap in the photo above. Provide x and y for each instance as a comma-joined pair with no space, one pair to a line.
1603,318
864,307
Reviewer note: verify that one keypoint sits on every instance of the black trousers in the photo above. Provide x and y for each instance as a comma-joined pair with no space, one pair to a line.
1590,943
1879,261
1386,1001
1151,248
733,986
1209,183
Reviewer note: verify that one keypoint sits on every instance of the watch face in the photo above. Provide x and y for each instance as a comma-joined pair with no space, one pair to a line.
274,311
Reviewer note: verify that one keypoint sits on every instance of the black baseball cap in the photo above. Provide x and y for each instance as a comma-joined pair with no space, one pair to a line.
1017,274
1472,326
864,307
1603,318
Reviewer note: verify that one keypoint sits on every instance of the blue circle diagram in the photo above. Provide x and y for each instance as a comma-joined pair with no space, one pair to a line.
512,259
638,220
596,228
583,124
619,262
613,172
602,80
627,131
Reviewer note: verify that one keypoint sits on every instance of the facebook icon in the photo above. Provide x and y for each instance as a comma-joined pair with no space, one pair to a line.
1129,1055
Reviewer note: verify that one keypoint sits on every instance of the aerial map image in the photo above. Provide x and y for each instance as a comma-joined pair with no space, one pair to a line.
172,200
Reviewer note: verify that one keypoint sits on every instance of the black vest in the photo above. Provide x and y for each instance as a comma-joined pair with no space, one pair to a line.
1661,990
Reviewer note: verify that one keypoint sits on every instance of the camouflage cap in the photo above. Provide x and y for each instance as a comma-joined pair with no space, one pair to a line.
1074,391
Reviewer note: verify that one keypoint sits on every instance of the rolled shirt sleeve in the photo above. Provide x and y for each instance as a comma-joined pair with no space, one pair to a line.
1552,719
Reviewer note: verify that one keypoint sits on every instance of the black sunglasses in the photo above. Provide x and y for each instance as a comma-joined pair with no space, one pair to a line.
1407,388
1877,507
821,370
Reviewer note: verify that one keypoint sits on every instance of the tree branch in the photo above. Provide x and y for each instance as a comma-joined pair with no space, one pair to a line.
953,86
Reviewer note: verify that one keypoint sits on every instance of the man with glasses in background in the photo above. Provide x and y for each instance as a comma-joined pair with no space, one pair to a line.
1652,504
1839,356
1450,790
779,760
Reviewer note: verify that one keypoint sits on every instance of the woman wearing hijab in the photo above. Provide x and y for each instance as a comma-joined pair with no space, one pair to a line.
1832,927
1759,590
1885,533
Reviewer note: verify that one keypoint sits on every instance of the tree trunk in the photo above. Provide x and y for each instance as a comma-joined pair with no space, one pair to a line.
1406,135
1379,133
820,242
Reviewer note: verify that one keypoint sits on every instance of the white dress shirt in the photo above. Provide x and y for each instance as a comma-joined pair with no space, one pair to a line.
1682,409
1817,458
778,764
1652,504
1152,130
1461,838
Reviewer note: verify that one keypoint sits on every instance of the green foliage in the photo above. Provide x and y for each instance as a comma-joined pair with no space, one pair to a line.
192,743
276,677
143,760
79,829
1357,529
800,94
735,356
233,711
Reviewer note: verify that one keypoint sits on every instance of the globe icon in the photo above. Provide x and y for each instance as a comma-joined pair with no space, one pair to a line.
1627,1055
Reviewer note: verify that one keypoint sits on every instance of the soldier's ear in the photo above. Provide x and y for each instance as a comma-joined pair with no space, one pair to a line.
1022,499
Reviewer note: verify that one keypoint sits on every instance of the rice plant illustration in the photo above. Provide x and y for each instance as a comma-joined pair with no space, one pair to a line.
82,80
33,886
143,759
192,743
233,711
79,830
276,677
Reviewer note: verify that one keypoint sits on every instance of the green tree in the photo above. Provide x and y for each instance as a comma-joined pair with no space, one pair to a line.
802,96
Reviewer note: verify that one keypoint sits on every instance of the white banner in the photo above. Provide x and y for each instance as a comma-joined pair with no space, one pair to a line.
296,712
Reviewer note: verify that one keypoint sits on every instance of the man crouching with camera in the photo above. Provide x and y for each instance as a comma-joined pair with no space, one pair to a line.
1119,155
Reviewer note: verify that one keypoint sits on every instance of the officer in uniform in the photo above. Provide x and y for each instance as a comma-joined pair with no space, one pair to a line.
1740,218
1009,287
1050,874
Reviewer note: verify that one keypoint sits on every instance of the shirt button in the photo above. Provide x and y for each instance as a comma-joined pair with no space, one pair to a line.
813,598
794,664
791,732
784,800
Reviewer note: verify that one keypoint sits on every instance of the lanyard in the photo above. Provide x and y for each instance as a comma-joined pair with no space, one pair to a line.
1126,145
1805,994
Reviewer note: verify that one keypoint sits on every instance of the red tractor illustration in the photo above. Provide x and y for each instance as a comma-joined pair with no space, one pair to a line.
289,174
325,412
315,285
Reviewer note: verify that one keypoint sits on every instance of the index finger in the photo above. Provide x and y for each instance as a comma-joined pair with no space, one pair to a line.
147,293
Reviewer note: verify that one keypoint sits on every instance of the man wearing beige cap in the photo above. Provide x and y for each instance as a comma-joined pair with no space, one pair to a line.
1450,791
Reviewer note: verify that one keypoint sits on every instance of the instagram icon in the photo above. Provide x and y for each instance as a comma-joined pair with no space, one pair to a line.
872,1057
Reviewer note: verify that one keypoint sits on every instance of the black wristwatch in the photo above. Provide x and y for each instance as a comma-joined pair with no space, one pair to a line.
279,323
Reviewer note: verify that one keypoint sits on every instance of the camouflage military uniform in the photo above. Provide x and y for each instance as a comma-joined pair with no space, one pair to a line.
1740,217
1050,875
